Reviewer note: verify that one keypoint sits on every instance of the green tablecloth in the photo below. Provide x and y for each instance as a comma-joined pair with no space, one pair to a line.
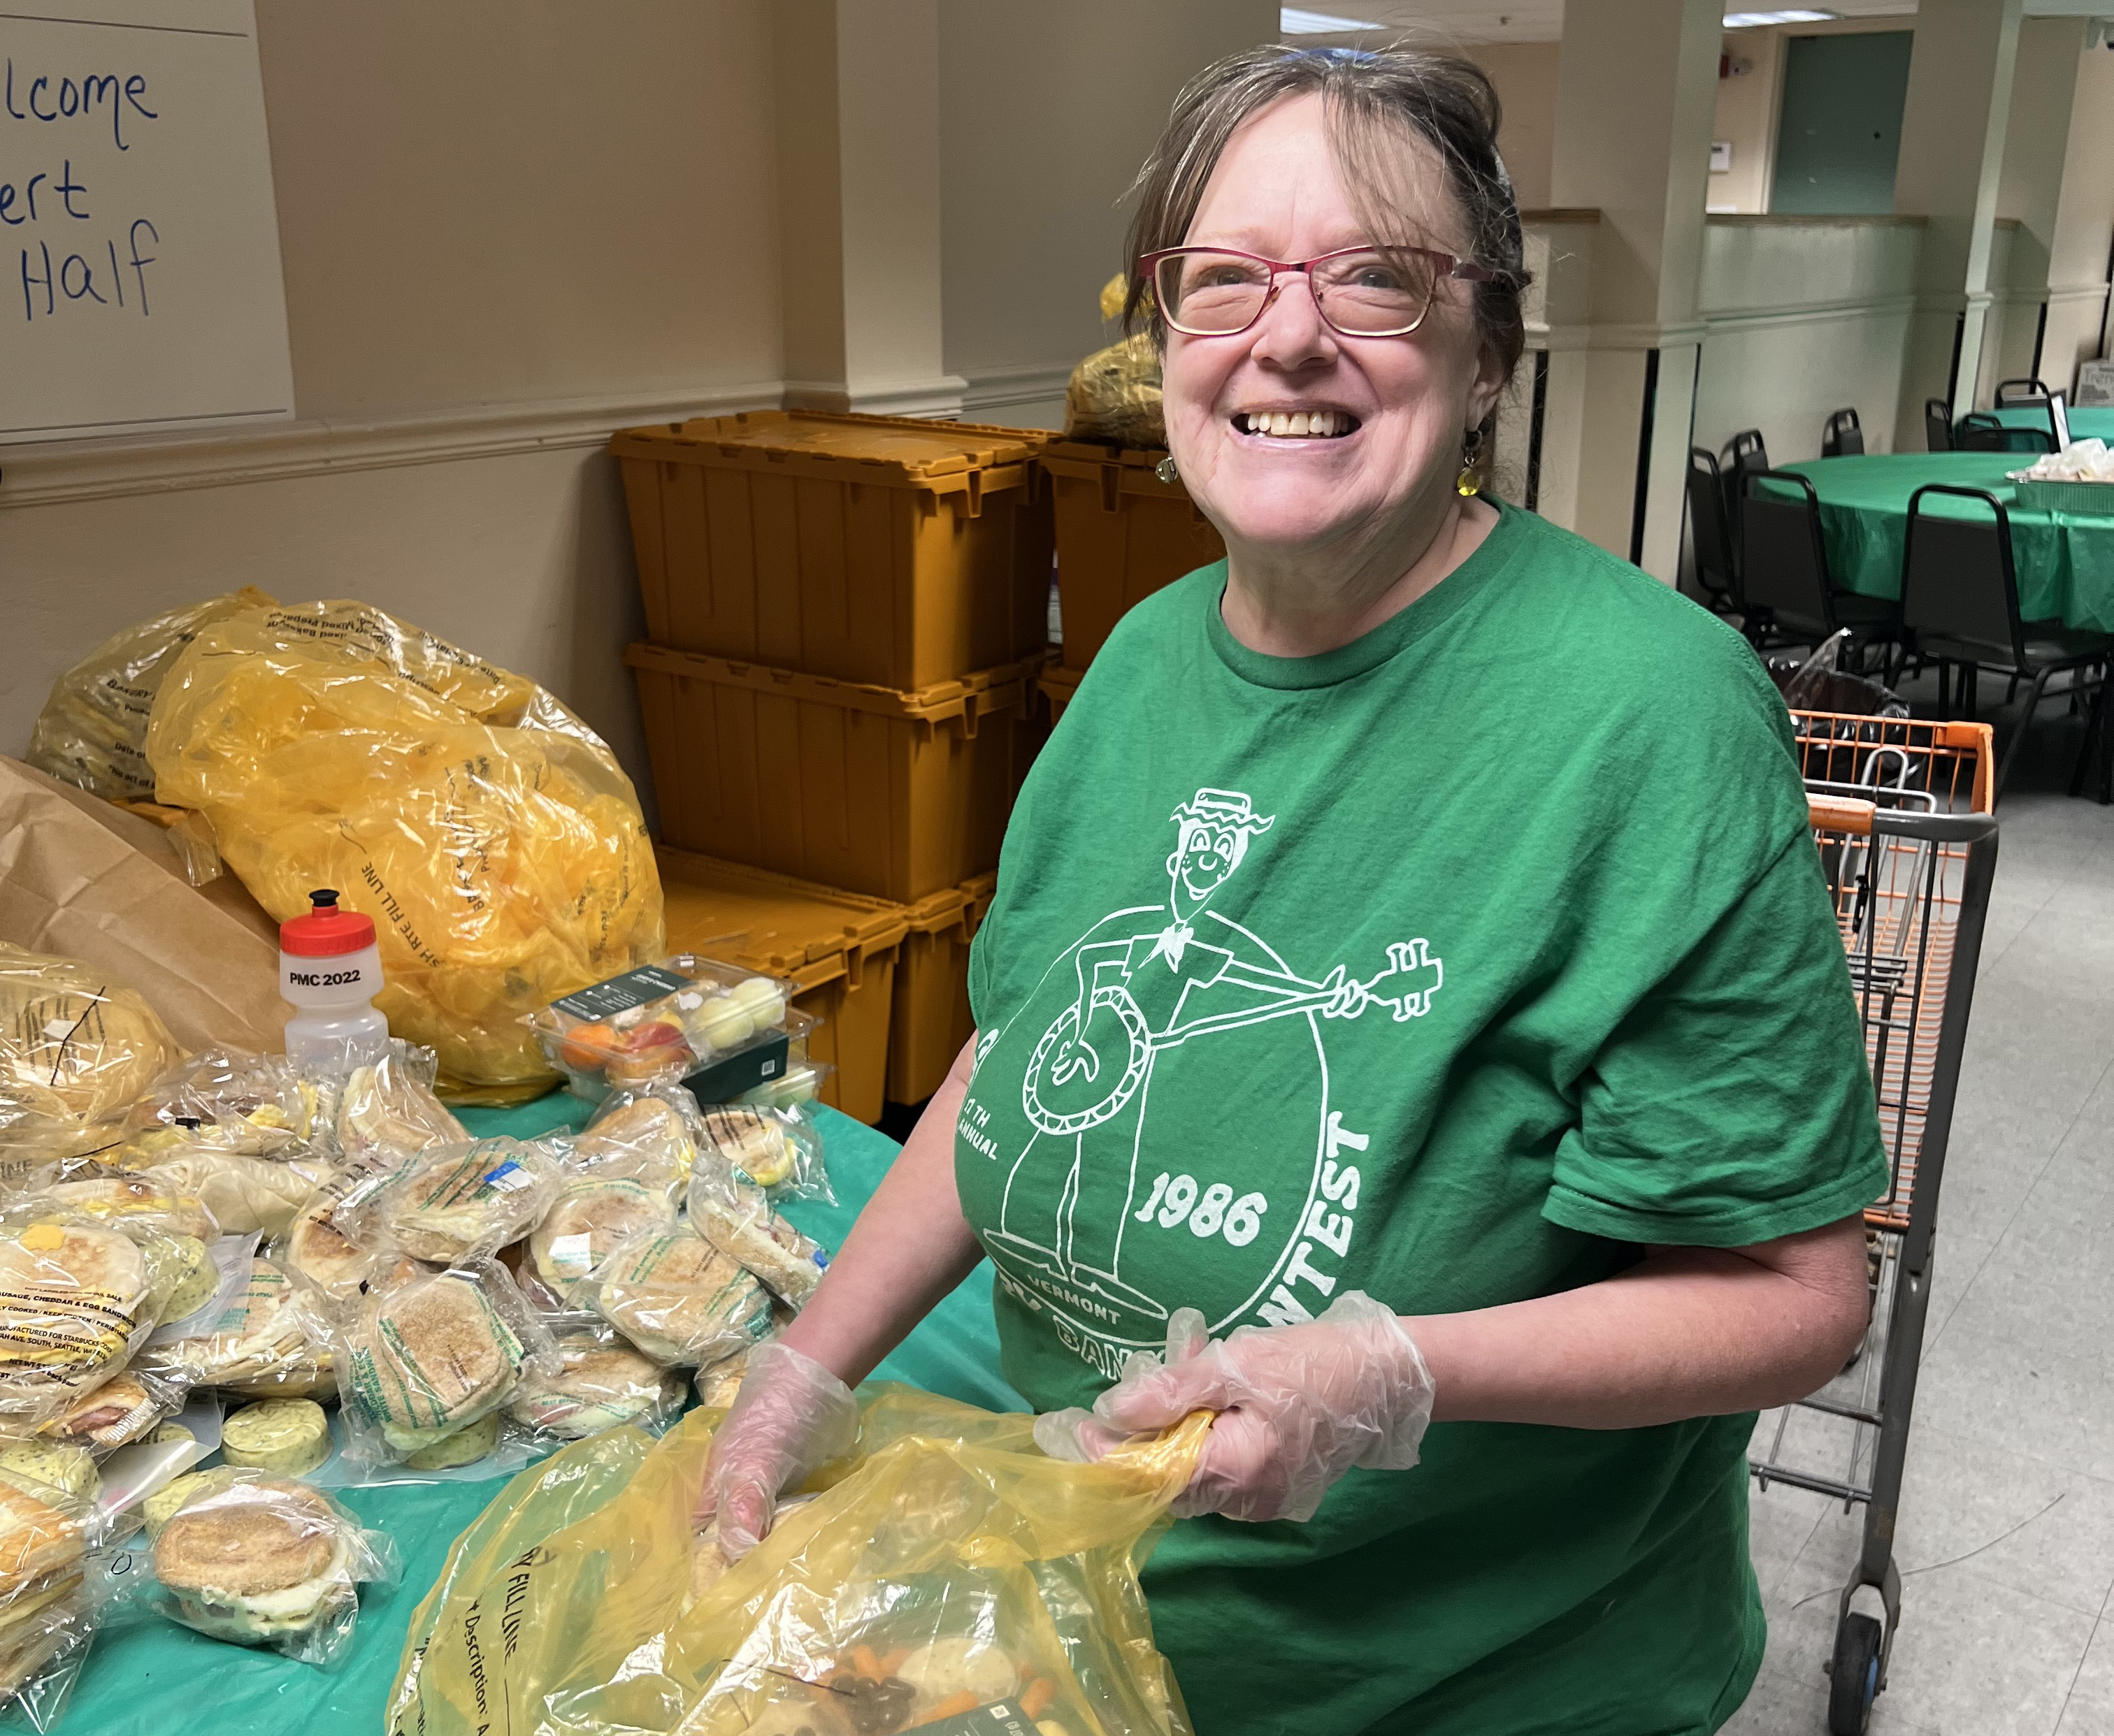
148,1677
2065,560
2094,421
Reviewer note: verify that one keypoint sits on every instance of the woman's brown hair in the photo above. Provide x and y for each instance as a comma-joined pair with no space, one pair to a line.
1375,100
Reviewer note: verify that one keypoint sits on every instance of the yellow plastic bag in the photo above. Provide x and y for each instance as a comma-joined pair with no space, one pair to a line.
487,831
1114,396
93,730
948,1578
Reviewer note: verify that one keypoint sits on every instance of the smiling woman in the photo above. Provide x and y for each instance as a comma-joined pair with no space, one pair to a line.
1409,1026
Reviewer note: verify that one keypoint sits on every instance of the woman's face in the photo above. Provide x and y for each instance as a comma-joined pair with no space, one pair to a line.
1408,401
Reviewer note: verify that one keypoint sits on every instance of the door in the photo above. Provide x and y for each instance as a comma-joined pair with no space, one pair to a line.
1839,131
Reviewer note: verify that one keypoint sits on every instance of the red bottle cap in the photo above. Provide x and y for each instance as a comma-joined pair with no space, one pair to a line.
326,931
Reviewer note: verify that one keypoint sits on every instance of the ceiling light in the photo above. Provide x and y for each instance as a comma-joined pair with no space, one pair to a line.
1295,22
1754,20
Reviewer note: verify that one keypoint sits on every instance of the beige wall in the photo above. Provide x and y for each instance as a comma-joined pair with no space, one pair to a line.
494,201
506,226
1748,101
2084,226
1525,75
1046,113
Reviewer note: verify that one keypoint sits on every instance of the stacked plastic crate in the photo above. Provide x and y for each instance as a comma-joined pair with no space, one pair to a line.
1122,533
847,617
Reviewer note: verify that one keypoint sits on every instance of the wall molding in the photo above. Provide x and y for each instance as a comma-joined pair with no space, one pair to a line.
1004,388
48,473
1716,321
1636,337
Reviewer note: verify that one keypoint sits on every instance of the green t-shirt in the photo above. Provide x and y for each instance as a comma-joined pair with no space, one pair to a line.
1451,966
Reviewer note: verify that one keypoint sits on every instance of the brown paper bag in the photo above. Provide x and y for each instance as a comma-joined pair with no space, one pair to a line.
80,878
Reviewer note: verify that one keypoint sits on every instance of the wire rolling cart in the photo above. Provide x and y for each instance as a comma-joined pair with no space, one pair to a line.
1901,809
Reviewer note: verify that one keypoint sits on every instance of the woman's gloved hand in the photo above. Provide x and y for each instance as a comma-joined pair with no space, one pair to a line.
791,1417
1298,1406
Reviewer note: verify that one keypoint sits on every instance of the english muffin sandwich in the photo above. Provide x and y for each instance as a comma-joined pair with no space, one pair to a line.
430,1354
259,1560
679,1299
601,1385
455,1201
589,1219
75,1302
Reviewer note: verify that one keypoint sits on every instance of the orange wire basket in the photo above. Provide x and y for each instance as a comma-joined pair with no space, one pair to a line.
1897,899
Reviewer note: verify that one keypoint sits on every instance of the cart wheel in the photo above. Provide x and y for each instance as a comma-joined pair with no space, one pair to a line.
1854,1677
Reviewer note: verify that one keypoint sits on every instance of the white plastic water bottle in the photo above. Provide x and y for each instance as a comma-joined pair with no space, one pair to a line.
330,970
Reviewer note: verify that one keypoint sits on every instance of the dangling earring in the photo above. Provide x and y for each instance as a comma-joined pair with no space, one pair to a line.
1165,470
1469,484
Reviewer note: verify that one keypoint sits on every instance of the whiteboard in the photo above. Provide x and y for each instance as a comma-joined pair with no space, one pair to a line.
139,284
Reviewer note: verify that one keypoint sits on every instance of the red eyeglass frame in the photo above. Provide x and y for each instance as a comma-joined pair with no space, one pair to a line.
1465,270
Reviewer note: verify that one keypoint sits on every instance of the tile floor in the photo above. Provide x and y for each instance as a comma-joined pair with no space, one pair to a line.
2007,1532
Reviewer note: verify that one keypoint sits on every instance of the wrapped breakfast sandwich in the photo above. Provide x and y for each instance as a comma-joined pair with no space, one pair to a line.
780,1150
76,1300
245,1134
387,1110
649,1134
269,1328
679,1299
76,1046
262,1561
603,1383
591,1217
453,1203
126,1408
735,1215
429,1353
46,1616
316,1251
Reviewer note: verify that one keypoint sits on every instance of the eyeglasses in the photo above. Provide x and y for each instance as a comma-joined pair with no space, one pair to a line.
1360,291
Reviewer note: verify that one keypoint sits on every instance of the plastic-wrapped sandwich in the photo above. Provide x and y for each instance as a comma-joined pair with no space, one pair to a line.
601,1385
433,1352
265,1331
262,1560
736,1217
76,1301
119,1200
316,1250
458,1202
587,1222
679,1299
779,1149
124,1408
76,1046
649,1136
389,1109
44,1617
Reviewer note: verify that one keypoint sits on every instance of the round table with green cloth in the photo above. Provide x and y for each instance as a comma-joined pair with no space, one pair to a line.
2091,422
146,1676
2065,560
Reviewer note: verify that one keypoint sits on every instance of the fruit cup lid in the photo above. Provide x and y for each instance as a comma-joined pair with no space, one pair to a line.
326,931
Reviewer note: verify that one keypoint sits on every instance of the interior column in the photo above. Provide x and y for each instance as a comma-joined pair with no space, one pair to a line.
858,89
1637,96
1951,159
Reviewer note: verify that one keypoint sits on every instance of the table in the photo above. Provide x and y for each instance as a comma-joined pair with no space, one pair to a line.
148,1677
2092,421
2065,560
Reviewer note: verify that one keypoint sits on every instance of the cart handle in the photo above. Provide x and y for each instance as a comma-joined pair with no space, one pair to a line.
1841,814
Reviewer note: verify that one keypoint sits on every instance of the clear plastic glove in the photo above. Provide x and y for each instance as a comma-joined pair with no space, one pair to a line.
791,1417
1298,1406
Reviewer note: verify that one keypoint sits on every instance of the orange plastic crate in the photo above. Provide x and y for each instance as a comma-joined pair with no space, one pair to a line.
932,1020
1121,534
886,550
895,795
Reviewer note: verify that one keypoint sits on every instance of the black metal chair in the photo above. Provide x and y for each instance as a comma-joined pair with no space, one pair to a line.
1959,606
2032,392
1783,570
1716,570
1844,436
1743,455
1936,425
1980,431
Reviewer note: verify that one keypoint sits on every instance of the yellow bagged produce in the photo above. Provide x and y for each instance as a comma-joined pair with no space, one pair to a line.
1114,396
488,832
76,1046
93,730
949,1577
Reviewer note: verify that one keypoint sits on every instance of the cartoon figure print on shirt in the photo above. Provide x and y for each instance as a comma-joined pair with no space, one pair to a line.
1097,1175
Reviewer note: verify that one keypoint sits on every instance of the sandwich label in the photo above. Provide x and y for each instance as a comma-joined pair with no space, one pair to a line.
509,1178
